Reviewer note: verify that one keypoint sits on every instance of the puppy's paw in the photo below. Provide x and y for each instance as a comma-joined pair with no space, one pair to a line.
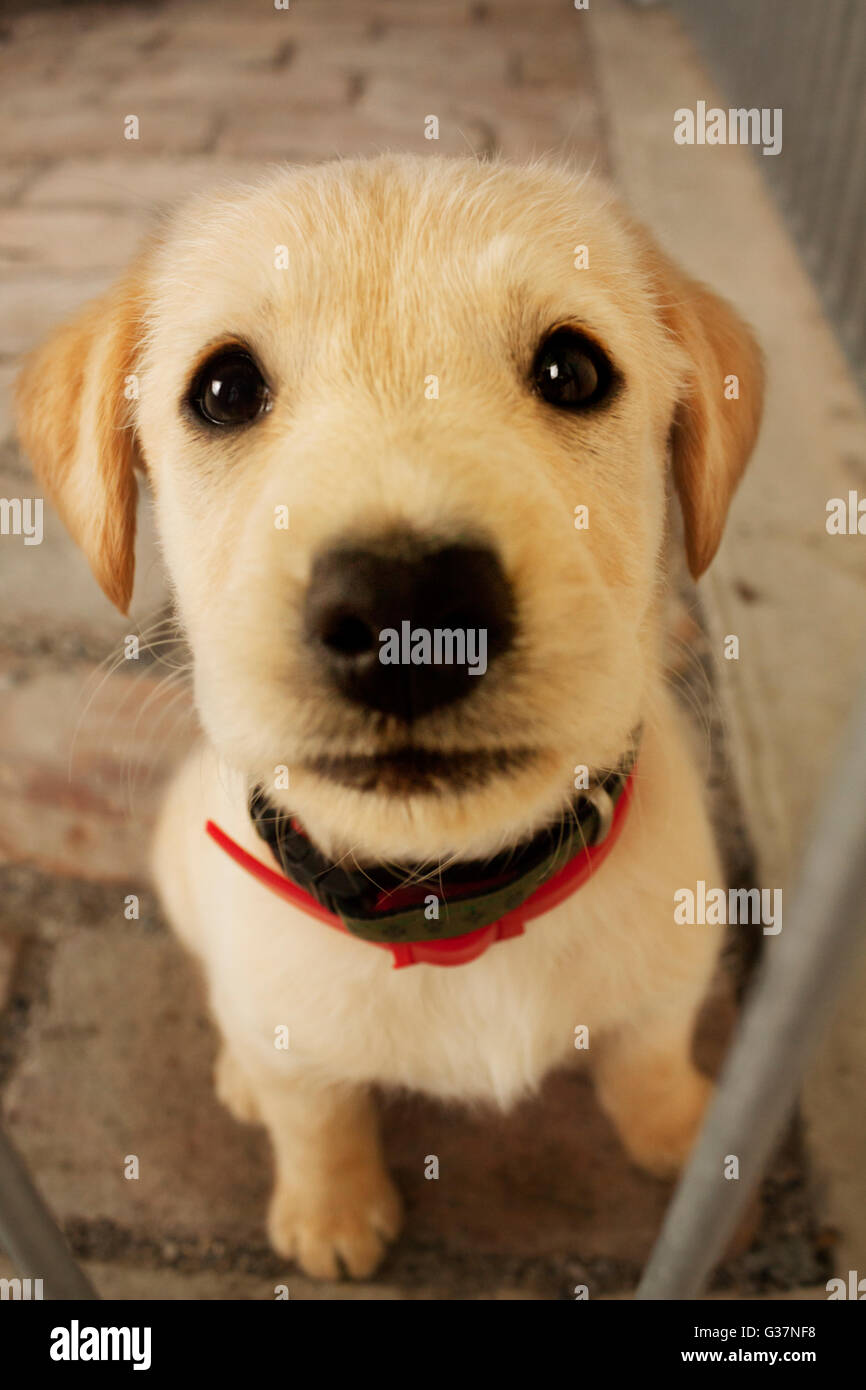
660,1137
234,1090
334,1226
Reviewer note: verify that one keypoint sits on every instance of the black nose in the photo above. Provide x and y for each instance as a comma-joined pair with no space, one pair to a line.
405,630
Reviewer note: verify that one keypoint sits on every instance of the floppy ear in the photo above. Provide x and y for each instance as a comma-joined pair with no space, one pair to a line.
719,411
75,423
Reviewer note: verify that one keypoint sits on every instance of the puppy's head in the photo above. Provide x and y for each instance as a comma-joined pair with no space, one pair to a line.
385,399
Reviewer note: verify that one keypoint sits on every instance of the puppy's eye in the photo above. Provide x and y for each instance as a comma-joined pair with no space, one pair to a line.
571,371
229,389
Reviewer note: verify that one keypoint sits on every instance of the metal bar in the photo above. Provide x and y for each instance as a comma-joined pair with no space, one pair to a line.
30,1235
846,246
801,976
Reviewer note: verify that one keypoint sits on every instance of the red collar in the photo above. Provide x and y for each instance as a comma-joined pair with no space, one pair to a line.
453,950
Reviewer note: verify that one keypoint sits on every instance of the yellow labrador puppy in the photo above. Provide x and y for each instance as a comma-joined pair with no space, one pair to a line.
410,425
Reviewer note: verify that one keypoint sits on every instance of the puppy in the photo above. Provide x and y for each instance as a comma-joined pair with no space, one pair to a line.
395,396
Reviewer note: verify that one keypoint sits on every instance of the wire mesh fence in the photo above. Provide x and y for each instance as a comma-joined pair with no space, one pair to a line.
807,58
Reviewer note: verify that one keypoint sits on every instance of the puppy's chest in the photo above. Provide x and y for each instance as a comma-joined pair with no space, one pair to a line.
490,1030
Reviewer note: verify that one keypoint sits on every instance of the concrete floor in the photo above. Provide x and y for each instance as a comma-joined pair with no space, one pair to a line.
105,1049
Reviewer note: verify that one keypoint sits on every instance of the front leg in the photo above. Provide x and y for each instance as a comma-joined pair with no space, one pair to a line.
648,1085
333,1201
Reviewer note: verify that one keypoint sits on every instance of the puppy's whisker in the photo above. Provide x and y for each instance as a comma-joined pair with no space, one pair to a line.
173,677
169,738
106,668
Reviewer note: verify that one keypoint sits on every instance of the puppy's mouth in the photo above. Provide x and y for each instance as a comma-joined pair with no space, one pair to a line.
413,769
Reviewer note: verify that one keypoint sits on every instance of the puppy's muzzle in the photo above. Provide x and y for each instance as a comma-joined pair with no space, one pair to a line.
405,629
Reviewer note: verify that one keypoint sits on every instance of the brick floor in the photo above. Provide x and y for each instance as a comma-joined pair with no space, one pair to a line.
105,1048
